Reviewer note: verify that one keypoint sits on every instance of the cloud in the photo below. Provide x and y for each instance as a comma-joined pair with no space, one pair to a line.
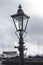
35,31
35,25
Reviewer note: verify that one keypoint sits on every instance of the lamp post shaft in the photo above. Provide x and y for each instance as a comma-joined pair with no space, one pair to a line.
21,48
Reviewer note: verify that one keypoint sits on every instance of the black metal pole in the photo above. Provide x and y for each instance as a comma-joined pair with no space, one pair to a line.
21,49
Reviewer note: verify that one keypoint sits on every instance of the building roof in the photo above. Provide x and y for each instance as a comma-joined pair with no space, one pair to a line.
10,52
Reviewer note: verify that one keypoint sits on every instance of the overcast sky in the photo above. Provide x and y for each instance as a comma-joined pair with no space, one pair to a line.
8,39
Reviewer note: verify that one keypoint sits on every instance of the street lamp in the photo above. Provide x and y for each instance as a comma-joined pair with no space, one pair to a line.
20,20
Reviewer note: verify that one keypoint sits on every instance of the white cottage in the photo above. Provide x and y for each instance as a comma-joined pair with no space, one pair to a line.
9,54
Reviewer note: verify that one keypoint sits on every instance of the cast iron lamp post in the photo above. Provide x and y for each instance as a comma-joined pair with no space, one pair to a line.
20,21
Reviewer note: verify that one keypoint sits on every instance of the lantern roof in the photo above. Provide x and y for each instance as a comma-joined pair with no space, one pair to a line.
19,13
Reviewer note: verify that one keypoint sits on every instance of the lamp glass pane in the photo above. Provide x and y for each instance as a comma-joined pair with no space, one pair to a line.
24,22
18,22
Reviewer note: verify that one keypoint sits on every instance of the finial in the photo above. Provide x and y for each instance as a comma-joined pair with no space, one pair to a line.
20,9
20,6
